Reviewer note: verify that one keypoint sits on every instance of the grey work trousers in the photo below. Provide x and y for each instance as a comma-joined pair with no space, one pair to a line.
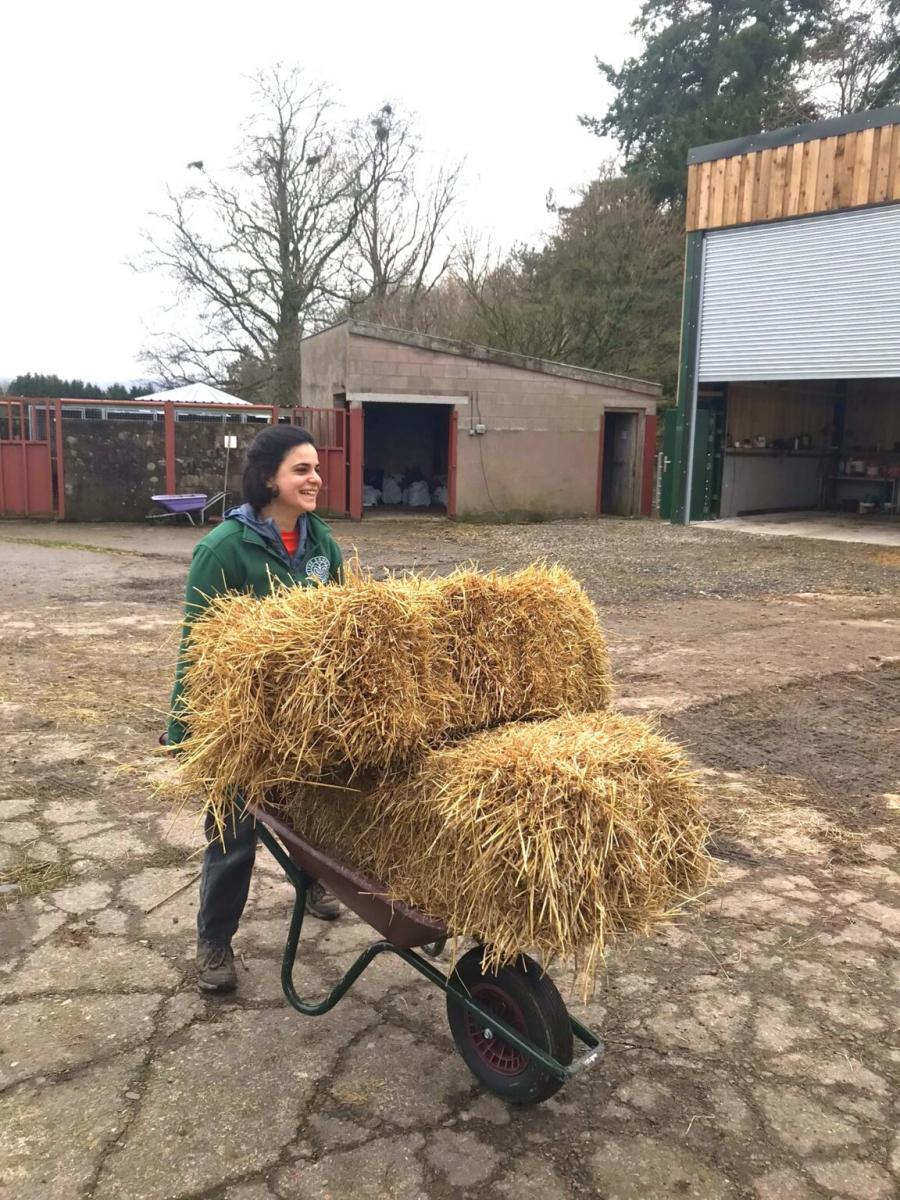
225,879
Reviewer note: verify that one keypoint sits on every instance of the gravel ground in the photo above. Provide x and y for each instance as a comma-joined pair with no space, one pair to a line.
621,562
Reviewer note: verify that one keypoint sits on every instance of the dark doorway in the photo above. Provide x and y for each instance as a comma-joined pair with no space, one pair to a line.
620,461
406,458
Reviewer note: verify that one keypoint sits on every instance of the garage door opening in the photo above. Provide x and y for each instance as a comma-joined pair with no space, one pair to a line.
406,463
618,492
825,445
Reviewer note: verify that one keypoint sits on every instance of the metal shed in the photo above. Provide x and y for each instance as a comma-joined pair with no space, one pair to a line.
789,380
445,426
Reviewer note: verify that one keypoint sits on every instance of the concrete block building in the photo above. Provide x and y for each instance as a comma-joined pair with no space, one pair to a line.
488,432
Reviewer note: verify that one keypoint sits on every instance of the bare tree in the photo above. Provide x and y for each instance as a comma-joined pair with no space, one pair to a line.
260,253
855,63
603,291
504,303
397,248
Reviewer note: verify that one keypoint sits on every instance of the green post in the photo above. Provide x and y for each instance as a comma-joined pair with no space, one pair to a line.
687,378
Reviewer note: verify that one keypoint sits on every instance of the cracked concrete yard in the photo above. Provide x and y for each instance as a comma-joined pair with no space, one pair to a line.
752,1046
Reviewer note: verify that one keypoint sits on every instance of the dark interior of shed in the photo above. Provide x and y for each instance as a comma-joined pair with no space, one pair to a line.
405,457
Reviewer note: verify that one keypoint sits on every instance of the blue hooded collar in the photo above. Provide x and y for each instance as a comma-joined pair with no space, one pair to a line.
268,531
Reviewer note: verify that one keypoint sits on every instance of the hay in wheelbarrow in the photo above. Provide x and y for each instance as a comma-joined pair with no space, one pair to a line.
312,682
537,836
309,681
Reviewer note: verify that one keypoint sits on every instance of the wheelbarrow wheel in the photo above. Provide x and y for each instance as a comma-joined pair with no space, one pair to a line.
520,996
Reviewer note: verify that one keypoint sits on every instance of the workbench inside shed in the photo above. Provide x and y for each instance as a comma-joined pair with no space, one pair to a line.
756,481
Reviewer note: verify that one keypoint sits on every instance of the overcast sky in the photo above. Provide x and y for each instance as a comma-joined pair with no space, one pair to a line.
104,104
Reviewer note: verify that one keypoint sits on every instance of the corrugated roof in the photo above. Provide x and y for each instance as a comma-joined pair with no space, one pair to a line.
195,393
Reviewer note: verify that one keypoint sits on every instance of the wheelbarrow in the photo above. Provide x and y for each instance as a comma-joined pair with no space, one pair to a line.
186,504
511,1026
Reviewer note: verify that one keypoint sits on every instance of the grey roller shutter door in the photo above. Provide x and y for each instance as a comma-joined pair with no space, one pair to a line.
816,298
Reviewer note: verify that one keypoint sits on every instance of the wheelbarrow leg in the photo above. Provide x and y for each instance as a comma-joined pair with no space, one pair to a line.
301,882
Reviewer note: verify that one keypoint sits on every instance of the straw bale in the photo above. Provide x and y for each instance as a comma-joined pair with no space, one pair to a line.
522,645
543,836
309,682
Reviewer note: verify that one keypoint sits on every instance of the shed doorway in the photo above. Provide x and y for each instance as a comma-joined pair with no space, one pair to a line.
618,491
406,459
802,446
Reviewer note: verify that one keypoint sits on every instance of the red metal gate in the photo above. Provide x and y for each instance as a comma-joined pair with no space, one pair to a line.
328,427
26,468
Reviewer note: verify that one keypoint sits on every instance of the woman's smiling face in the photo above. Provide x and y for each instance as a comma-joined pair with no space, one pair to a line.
296,483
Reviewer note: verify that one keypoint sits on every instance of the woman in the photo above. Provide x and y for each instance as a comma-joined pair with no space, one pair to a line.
274,535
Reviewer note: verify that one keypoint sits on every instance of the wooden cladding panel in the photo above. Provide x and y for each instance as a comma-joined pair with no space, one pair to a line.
761,188
748,175
795,178
703,195
782,410
690,207
881,175
732,186
825,184
788,181
717,200
863,172
777,183
809,176
895,165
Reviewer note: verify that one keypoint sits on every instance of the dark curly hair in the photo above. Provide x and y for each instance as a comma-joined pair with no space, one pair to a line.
264,456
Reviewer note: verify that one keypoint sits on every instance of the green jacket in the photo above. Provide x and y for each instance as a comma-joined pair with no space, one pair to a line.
235,558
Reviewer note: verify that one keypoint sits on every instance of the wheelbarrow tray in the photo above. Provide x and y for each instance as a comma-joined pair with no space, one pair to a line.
182,502
402,926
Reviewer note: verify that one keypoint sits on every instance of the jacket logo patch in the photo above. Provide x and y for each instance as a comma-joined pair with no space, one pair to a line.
318,568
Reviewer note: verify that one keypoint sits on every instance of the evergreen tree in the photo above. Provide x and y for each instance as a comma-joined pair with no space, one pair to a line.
51,386
709,70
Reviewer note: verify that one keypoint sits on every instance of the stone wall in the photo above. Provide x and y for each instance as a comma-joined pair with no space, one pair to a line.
200,456
111,468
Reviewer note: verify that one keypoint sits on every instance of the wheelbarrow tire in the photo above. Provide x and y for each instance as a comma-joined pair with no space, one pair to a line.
524,997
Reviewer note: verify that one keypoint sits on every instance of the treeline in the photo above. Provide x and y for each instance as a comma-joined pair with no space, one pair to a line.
51,386
320,221
604,291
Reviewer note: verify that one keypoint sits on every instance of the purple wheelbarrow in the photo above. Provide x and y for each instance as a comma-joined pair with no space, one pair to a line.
186,504
511,1026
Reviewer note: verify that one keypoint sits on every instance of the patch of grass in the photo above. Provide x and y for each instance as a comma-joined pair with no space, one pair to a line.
167,856
30,875
775,806
89,701
59,544
508,516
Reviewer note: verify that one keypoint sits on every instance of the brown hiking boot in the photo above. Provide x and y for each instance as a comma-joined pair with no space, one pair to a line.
320,903
215,967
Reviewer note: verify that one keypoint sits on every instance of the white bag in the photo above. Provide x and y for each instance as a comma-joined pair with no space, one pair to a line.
371,496
391,492
419,495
